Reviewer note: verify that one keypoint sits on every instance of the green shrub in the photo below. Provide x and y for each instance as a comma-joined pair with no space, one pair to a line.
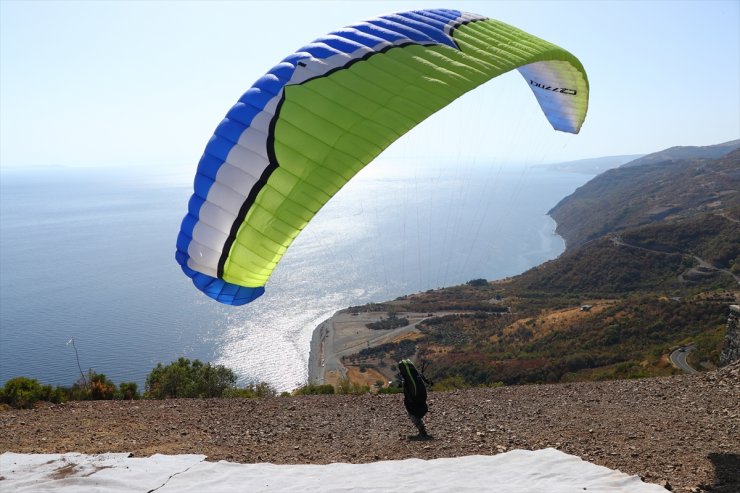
312,389
128,391
263,389
451,383
21,392
183,378
392,322
92,386
101,389
251,391
708,348
245,393
345,386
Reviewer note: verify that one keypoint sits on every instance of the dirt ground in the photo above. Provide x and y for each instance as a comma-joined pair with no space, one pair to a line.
682,431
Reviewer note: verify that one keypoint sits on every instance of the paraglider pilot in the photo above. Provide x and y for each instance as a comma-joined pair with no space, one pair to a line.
414,393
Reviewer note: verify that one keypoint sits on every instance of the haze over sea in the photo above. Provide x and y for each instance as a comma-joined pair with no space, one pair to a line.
88,253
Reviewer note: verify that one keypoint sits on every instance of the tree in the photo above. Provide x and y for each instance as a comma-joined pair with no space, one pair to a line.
183,378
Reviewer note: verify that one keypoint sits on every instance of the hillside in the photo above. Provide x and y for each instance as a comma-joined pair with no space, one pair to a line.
653,261
549,337
652,189
659,257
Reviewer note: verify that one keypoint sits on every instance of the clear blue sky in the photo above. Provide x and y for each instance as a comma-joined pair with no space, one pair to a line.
146,83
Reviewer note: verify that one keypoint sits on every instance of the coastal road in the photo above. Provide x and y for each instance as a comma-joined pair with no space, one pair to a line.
678,358
700,269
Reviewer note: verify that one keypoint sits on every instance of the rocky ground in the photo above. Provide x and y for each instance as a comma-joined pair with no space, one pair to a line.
682,432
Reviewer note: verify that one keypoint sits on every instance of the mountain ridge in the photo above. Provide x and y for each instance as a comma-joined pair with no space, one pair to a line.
649,190
687,152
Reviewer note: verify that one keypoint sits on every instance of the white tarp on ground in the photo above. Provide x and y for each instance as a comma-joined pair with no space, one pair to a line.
518,471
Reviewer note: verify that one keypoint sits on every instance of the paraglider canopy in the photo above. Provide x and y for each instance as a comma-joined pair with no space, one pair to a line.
323,113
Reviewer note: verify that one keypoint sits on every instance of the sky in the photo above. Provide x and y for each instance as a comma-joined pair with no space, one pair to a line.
146,83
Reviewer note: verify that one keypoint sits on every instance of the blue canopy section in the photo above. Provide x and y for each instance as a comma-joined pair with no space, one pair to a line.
220,290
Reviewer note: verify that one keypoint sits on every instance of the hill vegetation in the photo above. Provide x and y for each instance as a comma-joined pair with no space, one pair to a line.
636,195
652,262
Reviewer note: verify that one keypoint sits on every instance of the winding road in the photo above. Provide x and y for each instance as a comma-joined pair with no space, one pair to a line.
678,358
700,269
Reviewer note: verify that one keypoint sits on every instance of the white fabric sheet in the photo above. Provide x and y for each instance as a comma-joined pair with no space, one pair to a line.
517,471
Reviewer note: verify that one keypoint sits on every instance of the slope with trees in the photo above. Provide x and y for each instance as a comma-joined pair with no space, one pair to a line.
652,263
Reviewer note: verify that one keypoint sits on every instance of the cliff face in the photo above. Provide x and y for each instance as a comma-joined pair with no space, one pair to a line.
653,189
731,349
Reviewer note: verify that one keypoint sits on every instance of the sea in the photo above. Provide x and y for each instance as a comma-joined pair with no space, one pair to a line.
88,277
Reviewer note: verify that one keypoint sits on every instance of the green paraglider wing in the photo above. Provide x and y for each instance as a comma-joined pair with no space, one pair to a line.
311,123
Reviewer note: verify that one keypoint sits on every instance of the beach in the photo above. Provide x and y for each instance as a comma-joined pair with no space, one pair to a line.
346,333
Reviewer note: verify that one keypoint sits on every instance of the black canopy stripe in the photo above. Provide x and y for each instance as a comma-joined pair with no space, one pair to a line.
256,188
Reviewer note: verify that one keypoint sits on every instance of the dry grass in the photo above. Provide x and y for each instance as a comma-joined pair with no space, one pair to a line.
368,377
556,320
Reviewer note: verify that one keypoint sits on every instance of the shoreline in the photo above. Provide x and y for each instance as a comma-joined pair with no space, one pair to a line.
325,352
346,333
316,352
